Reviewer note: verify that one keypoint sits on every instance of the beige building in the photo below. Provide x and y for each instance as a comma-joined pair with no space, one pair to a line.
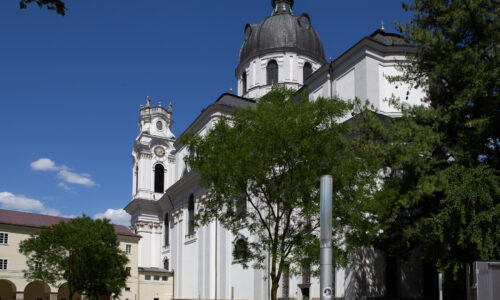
143,284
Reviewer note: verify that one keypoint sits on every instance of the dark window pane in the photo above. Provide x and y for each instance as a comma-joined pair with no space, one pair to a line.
159,178
244,82
272,72
307,70
191,214
167,238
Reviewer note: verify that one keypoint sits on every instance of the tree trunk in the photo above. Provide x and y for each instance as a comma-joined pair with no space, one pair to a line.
274,288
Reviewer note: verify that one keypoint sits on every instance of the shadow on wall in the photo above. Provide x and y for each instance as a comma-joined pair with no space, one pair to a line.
366,277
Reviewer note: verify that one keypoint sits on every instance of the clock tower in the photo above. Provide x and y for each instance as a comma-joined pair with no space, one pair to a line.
153,163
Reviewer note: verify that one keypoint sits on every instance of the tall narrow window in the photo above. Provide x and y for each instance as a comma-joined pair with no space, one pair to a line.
136,179
307,71
167,238
272,72
191,214
165,264
159,178
244,81
241,206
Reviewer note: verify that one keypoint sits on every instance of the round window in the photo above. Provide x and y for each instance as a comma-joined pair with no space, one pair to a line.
159,125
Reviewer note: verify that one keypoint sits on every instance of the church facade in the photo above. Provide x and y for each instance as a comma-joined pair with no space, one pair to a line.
282,49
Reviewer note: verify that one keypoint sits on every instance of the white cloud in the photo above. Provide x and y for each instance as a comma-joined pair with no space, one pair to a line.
64,186
23,203
63,172
71,177
117,216
45,164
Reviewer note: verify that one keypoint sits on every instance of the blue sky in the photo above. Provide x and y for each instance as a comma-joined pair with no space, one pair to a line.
70,87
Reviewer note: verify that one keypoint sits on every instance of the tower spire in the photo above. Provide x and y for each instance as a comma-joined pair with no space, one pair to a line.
282,6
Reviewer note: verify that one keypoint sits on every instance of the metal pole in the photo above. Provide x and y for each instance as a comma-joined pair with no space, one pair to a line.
326,291
440,283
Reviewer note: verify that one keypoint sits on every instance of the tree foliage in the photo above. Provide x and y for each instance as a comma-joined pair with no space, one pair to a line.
56,5
441,193
83,252
271,159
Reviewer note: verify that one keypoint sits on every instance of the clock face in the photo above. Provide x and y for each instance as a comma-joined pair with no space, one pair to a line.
159,151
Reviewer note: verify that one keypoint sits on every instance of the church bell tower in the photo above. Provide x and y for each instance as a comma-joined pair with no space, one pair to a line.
153,162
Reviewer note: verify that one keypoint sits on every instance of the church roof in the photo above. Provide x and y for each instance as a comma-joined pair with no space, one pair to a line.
282,32
24,219
385,42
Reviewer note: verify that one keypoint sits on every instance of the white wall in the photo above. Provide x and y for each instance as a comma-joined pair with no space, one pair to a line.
290,73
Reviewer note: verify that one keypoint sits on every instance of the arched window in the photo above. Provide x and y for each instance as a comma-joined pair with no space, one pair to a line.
244,81
191,214
159,178
167,228
165,264
272,72
307,71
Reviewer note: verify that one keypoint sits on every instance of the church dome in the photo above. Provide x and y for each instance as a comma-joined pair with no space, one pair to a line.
282,32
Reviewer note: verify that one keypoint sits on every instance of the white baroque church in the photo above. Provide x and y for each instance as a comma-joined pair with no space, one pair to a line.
282,49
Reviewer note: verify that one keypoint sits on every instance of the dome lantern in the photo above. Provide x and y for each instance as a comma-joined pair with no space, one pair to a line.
282,7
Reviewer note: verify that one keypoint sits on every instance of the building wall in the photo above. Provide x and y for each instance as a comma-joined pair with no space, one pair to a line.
17,263
155,288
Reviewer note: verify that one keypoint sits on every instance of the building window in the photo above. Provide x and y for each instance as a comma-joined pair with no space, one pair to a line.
244,81
159,125
167,228
3,264
157,277
127,289
164,278
37,265
272,72
128,249
136,179
240,250
191,214
165,264
159,178
307,71
147,277
241,206
4,238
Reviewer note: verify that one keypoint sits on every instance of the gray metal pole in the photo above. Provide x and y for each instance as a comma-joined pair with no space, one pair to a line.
440,283
326,290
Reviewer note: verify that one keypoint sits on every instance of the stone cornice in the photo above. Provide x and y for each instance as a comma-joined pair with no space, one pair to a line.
143,226
136,204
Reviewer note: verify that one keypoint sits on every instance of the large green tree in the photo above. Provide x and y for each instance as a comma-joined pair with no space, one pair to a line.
81,251
270,159
441,197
